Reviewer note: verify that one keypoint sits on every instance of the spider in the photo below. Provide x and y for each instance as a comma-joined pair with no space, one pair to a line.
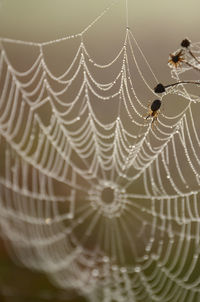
176,59
153,111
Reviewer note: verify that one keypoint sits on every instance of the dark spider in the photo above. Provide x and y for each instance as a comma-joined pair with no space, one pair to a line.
153,111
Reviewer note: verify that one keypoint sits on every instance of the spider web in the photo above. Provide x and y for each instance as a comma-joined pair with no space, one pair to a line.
91,193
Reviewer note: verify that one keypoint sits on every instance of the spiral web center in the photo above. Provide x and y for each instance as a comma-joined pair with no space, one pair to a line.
108,199
107,195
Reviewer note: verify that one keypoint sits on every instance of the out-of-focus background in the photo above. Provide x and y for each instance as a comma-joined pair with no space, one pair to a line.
158,26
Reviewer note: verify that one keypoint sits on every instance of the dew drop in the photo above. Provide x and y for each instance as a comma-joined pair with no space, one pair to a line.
105,259
137,269
95,272
48,220
70,216
123,270
148,248
114,267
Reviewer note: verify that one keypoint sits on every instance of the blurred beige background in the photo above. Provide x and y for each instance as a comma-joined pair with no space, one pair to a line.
158,26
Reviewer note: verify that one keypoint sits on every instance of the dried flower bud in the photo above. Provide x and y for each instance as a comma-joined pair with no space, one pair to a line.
159,88
185,43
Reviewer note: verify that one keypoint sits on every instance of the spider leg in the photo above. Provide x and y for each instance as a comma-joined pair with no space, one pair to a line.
148,116
154,121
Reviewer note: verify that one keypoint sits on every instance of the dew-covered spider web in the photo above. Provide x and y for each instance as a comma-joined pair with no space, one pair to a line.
91,193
